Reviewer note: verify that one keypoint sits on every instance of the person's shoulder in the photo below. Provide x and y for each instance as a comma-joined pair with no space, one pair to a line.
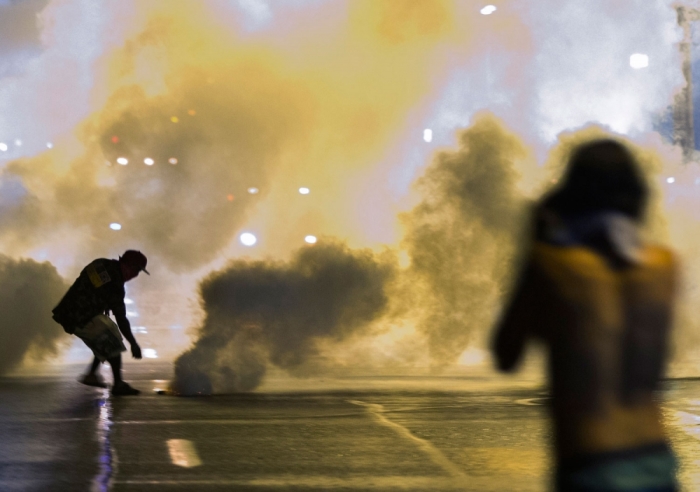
659,255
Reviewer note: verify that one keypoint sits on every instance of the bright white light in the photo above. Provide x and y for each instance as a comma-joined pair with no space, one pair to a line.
639,60
115,226
128,301
172,160
248,239
148,161
150,354
253,190
3,146
428,135
488,10
671,180
122,160
310,239
304,191
49,145
18,142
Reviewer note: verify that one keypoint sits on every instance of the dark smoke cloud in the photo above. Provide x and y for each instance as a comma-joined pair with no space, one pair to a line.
28,292
461,237
260,313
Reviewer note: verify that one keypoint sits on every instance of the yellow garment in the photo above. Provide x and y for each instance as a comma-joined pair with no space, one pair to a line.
606,331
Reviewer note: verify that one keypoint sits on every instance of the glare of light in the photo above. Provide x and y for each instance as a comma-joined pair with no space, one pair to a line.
128,301
304,191
148,161
428,135
253,190
115,226
248,239
18,142
49,145
488,10
3,146
132,314
230,197
139,329
122,160
150,354
172,160
639,60
671,180
192,112
115,139
310,239
174,119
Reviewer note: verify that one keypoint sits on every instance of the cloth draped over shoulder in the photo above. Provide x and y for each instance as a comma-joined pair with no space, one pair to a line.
99,288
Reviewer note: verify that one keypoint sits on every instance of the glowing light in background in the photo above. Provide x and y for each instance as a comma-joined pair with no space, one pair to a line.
115,139
192,112
18,142
671,180
128,301
639,60
248,239
253,190
304,191
148,161
3,146
122,160
172,160
428,135
49,145
174,119
115,226
230,197
150,353
488,10
310,239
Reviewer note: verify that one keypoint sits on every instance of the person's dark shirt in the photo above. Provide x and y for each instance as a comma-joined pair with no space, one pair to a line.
99,288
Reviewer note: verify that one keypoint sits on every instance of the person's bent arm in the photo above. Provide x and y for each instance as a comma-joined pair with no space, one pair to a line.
125,328
515,325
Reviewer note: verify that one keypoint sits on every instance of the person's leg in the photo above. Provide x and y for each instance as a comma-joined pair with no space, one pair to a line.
120,387
93,367
92,377
116,364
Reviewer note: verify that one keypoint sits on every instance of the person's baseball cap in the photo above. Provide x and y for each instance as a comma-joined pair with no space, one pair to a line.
136,259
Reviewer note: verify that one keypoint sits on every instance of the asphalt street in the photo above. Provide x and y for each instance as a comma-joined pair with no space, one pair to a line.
357,434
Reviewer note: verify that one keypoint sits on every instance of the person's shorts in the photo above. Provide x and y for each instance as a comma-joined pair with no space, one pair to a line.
650,469
102,336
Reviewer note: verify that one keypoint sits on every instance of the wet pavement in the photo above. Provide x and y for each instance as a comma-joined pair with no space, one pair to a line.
370,434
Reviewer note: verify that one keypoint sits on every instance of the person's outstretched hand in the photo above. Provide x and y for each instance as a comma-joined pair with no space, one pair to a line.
135,351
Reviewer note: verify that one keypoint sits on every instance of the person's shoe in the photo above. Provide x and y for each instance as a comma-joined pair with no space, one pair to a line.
124,389
93,380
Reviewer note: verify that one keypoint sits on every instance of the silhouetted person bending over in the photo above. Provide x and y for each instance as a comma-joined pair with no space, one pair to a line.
601,302
84,310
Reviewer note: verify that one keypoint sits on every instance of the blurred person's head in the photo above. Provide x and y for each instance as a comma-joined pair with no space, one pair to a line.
602,176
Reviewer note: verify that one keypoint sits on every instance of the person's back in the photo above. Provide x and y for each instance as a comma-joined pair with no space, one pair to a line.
601,302
606,333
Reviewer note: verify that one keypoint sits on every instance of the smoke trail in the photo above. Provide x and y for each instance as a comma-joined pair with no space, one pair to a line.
461,237
28,292
260,313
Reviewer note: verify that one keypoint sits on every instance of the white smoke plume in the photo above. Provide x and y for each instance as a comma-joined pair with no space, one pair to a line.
261,313
28,292
262,95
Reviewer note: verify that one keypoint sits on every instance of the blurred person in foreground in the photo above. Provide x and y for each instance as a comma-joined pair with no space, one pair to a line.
84,312
601,302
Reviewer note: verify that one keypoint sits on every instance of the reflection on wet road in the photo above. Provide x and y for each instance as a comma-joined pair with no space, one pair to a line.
58,435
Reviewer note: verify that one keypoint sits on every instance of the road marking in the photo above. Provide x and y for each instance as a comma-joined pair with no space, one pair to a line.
434,453
183,453
284,482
